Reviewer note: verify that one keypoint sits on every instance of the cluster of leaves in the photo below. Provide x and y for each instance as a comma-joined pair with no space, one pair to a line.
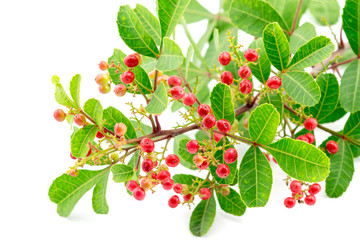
285,48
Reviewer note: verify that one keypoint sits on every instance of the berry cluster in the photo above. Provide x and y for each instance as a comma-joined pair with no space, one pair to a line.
298,193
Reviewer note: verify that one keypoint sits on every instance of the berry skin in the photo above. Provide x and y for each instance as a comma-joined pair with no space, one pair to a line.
147,145
146,184
311,137
230,155
198,159
192,146
104,89
205,164
227,78
177,92
147,165
72,156
89,152
223,125
315,188
203,110
139,193
209,121
297,196
223,170
224,58
131,185
127,77
310,200
244,72
131,60
120,90
205,193
310,124
303,138
172,160
99,135
102,79
187,197
289,202
79,120
174,201
225,191
103,65
251,55
138,56
295,186
274,82
217,137
178,188
59,115
167,183
245,86
174,81
189,99
163,174
246,123
74,172
120,129
332,147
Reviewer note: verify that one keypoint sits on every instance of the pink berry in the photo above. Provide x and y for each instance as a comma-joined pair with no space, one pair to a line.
59,115
146,184
79,120
147,165
187,197
332,147
147,145
167,183
223,125
102,79
163,174
120,129
251,55
172,160
104,89
131,60
209,121
295,186
189,99
99,135
203,110
289,202
245,86
103,65
224,58
74,172
174,81
120,90
205,193
310,200
192,146
310,124
225,190
311,137
303,138
178,188
244,72
177,92
139,194
217,136
72,156
274,82
223,170
205,164
131,185
198,159
298,195
174,201
127,77
227,78
230,155
315,188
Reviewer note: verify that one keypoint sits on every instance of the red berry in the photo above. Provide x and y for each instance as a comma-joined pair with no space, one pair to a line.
79,120
89,152
310,124
303,138
205,164
332,147
131,60
223,125
103,65
217,136
205,193
311,137
99,135
120,90
139,193
289,202
178,188
72,156
251,55
295,186
192,146
131,185
227,78
163,174
298,195
224,58
230,155
245,86
147,165
147,145
174,201
244,72
198,159
174,81
274,160
209,121
187,197
59,115
274,82
172,160
315,188
310,200
167,183
120,129
203,110
102,79
223,170
127,77
104,89
177,92
189,99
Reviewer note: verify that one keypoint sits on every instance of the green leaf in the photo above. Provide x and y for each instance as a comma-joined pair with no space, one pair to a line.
55,79
232,203
311,53
203,216
350,87
185,179
62,98
255,178
252,16
263,123
341,170
186,158
325,9
338,113
99,203
200,136
134,34
170,12
122,173
151,23
352,125
171,56
196,12
301,36
301,87
276,46
66,190
261,68
112,116
148,63
274,99
300,160
75,89
81,139
351,24
221,103
159,100
94,109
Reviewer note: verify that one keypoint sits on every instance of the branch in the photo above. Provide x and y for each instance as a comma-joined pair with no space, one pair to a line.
296,17
246,107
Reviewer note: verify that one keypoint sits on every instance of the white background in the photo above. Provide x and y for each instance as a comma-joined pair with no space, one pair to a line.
42,38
